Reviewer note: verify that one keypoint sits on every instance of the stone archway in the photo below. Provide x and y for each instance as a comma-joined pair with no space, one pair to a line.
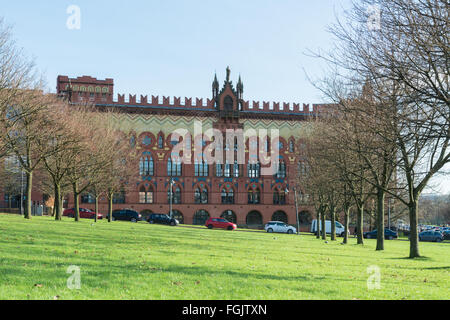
254,220
178,215
200,217
230,216
280,216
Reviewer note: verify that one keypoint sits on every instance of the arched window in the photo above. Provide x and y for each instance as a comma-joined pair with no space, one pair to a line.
254,170
197,196
196,168
231,196
201,168
175,194
279,197
149,195
227,196
204,196
219,170
227,169
224,196
254,196
291,146
281,172
146,166
169,167
146,196
236,169
276,197
174,167
160,142
142,195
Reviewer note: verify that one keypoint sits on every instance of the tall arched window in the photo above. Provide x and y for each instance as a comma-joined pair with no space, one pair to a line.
224,196
291,146
169,167
160,142
174,167
236,169
281,172
219,170
204,196
175,194
227,196
254,170
227,170
142,195
231,196
146,166
197,196
254,196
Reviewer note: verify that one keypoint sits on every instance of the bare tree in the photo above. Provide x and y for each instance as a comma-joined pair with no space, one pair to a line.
404,55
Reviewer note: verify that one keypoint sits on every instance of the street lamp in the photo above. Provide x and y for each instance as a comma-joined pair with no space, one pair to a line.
21,192
296,209
171,196
390,200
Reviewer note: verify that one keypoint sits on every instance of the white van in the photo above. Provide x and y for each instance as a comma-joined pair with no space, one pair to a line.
340,229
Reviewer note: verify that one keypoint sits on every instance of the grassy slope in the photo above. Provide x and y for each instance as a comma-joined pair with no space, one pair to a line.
141,261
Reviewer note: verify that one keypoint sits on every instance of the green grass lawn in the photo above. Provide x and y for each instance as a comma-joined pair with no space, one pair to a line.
122,260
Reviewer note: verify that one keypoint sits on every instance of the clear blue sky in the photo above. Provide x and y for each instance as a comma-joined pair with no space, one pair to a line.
173,48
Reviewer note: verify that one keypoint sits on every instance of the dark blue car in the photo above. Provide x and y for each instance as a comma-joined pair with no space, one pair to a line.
434,236
388,234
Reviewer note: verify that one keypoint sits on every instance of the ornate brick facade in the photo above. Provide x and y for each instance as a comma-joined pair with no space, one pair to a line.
242,192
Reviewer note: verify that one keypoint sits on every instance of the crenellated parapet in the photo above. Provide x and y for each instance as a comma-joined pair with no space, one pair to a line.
209,104
87,89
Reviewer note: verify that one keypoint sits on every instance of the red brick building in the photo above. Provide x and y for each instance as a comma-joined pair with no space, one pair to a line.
243,191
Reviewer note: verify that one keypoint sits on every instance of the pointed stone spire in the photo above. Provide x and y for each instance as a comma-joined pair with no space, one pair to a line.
215,86
240,88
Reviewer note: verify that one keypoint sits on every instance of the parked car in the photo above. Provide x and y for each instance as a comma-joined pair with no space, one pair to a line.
279,227
84,213
433,236
388,234
162,219
220,223
446,234
126,215
340,229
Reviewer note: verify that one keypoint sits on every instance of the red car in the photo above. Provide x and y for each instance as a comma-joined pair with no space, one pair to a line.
84,213
220,223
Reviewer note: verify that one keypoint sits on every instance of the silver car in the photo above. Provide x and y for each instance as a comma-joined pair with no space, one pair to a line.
279,227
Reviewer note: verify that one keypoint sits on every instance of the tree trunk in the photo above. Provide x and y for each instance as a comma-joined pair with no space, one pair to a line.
360,224
57,202
413,235
318,223
346,222
28,195
76,202
96,208
324,230
380,219
333,223
110,207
